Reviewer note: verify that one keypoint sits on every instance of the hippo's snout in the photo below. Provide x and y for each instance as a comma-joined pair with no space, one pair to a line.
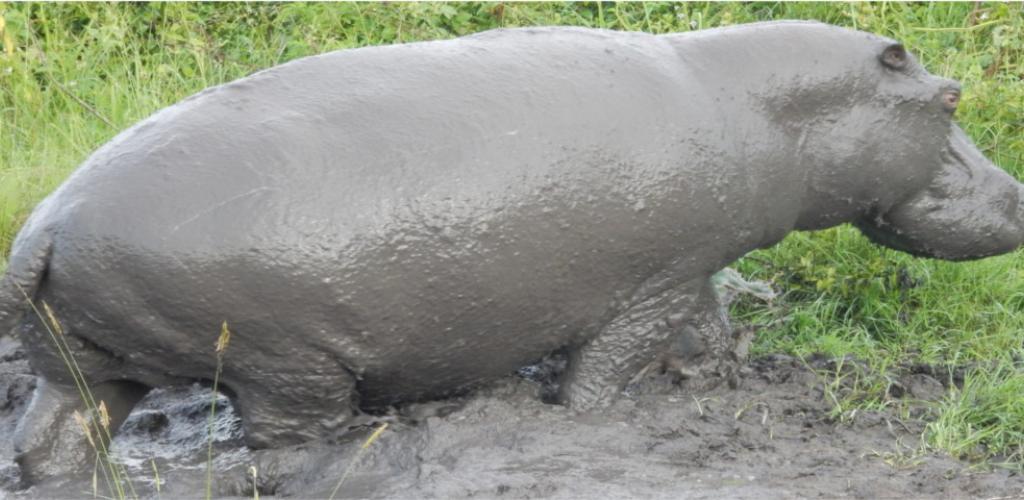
1011,236
1014,237
971,209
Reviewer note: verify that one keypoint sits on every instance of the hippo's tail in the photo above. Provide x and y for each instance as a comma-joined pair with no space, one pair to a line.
30,258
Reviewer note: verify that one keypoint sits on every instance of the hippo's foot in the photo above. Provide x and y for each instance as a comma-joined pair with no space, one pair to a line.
600,370
712,374
707,353
60,434
722,353
697,368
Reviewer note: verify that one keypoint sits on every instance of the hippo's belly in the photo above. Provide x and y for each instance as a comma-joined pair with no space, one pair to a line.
428,314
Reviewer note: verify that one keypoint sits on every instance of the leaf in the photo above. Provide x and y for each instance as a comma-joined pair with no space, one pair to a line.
447,11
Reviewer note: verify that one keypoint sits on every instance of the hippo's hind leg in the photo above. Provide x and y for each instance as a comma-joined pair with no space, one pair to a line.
599,370
50,441
312,406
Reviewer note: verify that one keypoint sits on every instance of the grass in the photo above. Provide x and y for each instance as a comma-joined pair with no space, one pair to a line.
220,348
95,424
355,458
983,420
73,75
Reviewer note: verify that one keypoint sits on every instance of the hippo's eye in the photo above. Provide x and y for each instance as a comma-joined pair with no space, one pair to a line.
894,56
950,100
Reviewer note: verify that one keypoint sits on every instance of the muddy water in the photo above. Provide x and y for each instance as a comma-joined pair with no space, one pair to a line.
771,437
171,427
16,386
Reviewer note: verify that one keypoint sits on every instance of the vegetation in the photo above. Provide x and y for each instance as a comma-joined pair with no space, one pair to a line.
73,75
95,423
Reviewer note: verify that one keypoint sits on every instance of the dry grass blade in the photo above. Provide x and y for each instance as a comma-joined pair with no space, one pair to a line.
255,488
5,37
220,348
156,477
114,474
88,107
355,459
81,421
53,319
224,339
104,415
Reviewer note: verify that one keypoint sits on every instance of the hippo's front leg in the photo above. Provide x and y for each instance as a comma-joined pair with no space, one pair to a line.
710,321
599,370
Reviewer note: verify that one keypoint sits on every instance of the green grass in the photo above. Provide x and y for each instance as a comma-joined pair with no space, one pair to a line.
73,75
984,421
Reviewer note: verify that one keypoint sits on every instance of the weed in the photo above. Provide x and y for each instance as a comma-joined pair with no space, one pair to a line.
156,478
255,487
220,348
355,458
984,419
95,426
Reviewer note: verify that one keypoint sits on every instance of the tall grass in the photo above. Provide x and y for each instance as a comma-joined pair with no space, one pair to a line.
96,428
219,349
73,75
355,458
96,424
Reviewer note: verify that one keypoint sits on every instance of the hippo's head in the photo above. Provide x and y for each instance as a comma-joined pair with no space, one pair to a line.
877,131
947,200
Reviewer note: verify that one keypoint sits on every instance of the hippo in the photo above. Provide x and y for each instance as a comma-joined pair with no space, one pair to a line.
394,224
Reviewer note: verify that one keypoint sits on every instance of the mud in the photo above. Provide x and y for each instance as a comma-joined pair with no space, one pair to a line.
770,437
16,386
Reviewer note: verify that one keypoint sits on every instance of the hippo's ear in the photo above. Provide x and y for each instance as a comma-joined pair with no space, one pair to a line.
894,57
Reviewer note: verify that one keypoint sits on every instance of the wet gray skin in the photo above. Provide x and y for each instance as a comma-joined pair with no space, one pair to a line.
391,224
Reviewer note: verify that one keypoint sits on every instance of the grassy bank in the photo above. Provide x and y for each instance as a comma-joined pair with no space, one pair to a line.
73,75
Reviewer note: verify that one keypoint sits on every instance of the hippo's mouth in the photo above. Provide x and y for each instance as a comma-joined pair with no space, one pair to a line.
972,209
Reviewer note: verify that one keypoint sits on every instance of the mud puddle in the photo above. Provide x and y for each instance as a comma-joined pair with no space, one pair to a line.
770,437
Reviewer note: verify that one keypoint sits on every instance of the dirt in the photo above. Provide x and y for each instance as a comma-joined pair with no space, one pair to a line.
771,436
